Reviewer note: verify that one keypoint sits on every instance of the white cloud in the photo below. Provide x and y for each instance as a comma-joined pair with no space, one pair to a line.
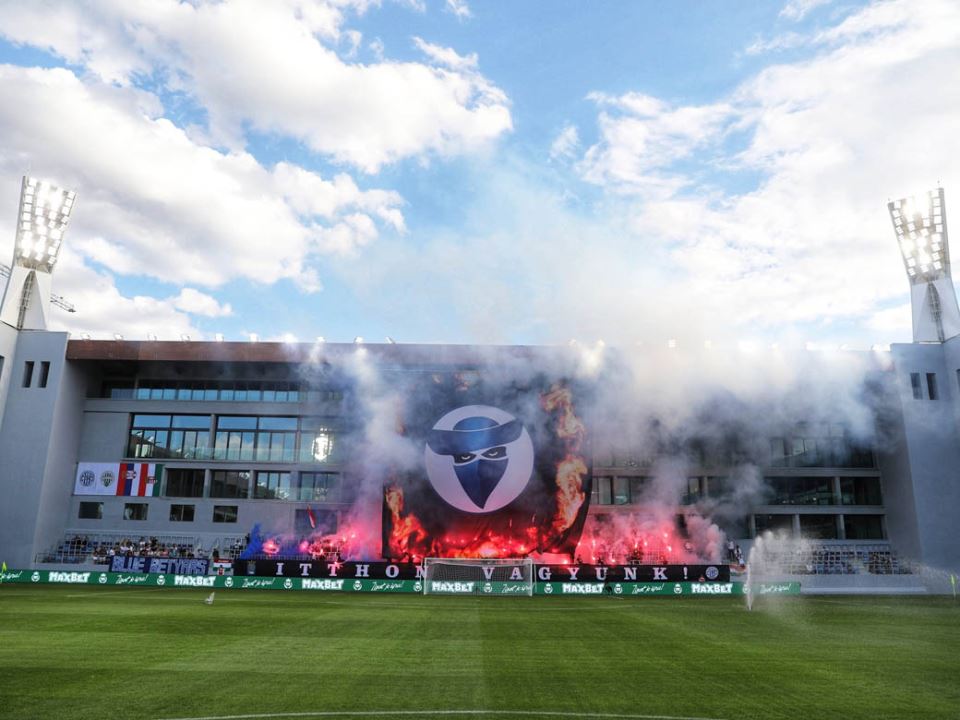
871,115
154,202
102,310
565,144
798,9
225,54
447,57
198,303
641,137
460,8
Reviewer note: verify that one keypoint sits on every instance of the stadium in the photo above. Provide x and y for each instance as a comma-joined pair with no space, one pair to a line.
257,470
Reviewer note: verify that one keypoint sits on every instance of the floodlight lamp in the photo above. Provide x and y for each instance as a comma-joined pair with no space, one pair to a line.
85,336
44,213
920,226
358,340
254,337
391,341
218,337
117,336
152,337
184,337
321,339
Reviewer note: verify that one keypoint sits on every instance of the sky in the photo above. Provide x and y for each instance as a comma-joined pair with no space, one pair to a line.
469,171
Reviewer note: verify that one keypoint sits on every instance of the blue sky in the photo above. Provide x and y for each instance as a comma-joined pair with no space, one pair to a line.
456,171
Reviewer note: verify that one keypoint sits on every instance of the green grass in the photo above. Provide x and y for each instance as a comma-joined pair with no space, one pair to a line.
83,652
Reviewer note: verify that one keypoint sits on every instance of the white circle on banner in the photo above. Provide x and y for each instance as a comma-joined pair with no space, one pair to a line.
443,477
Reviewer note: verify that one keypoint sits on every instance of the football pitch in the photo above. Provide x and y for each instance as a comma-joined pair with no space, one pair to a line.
88,652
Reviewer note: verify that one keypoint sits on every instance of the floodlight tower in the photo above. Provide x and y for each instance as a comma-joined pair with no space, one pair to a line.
920,223
41,222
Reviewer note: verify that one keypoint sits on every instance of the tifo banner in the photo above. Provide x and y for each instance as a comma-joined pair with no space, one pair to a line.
633,573
213,582
132,479
504,470
181,566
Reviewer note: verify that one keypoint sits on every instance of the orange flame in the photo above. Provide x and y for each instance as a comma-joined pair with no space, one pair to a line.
570,428
406,531
572,469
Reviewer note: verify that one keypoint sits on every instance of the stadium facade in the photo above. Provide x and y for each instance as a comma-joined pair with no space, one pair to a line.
212,439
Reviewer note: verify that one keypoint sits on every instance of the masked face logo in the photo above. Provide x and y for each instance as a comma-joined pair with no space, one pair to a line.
479,458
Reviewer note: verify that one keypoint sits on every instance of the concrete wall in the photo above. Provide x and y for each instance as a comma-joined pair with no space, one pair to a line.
30,434
932,448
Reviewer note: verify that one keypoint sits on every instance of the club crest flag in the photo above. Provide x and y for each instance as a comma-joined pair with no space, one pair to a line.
503,472
125,479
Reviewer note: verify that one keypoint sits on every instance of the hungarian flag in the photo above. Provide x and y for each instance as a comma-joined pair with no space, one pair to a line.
139,479
312,518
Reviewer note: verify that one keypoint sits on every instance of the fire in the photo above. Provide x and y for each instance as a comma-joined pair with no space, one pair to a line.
570,495
570,428
572,469
407,532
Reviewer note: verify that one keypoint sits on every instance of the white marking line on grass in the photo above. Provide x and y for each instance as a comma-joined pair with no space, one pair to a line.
436,713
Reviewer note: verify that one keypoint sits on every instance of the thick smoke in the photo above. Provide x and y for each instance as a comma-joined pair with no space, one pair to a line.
667,414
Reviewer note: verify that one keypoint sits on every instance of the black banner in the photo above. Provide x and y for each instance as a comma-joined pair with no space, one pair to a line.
632,573
176,566
542,573
321,569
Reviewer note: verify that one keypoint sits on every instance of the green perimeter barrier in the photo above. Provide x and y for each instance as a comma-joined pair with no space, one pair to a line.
668,589
92,577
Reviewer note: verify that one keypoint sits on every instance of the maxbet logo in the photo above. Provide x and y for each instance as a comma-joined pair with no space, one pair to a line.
583,588
310,584
712,588
69,577
451,587
194,580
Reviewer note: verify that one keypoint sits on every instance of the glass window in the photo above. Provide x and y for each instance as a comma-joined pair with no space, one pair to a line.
224,513
27,373
799,491
601,493
915,386
318,446
621,491
117,390
181,513
151,421
820,527
236,422
860,491
230,484
184,482
45,373
273,485
863,527
195,422
135,511
931,386
691,492
638,486
319,487
774,523
91,511
278,423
